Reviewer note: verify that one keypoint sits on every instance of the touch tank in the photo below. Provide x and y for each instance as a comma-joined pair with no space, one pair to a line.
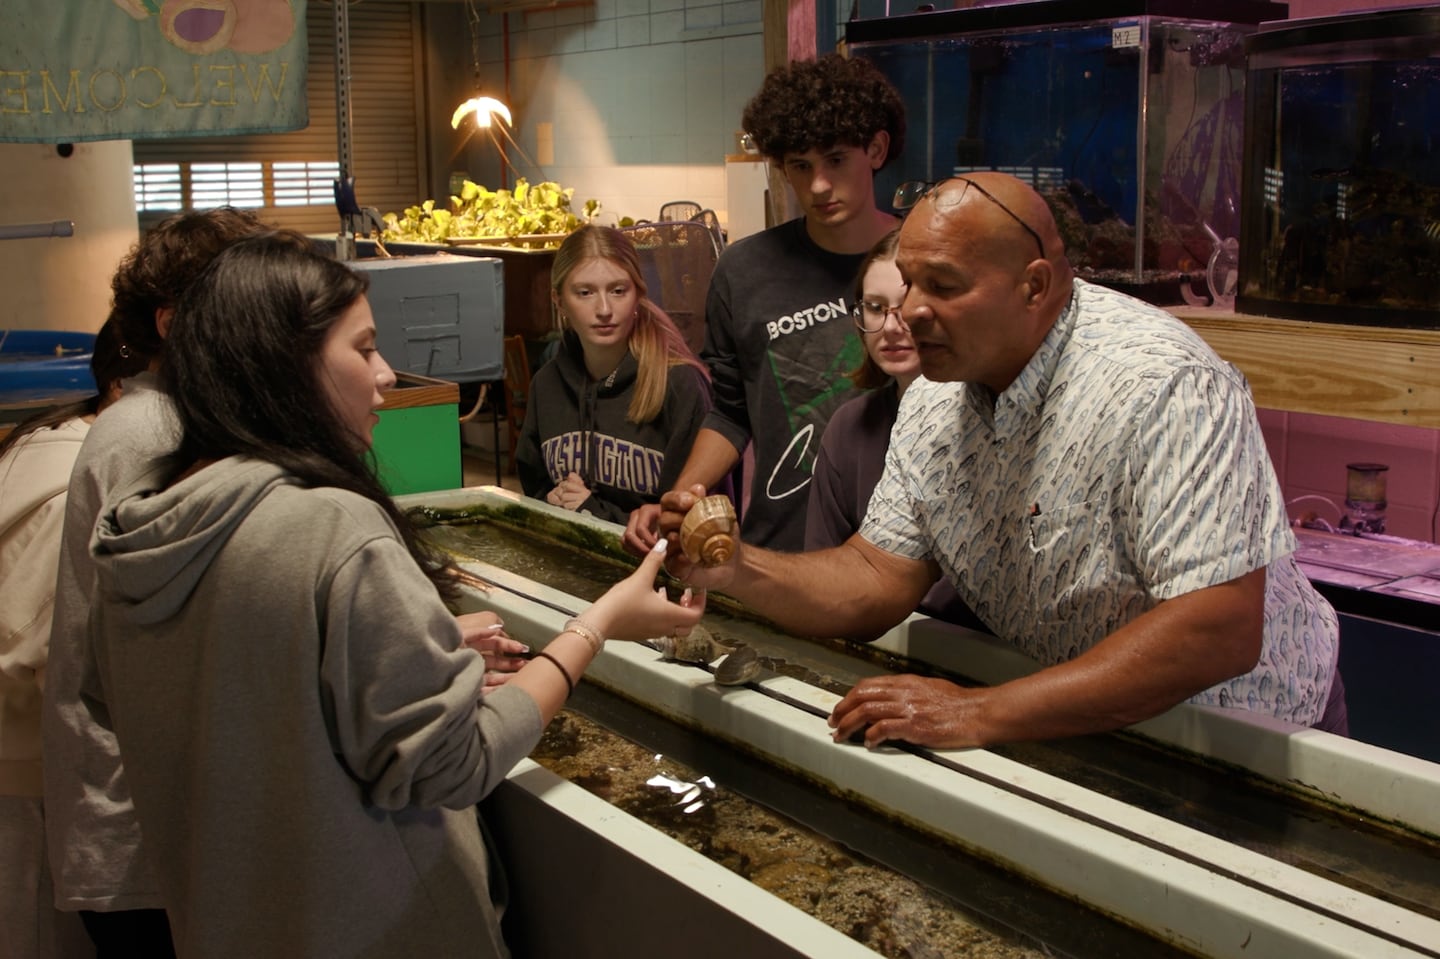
1342,219
1126,116
1193,854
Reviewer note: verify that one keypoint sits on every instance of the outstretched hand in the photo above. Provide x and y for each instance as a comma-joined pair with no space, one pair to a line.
641,530
634,609
676,504
653,521
485,633
915,709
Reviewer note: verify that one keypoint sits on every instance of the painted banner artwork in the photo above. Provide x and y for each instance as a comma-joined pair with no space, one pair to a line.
74,70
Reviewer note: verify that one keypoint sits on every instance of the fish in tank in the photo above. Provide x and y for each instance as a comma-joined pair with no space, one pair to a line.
1343,121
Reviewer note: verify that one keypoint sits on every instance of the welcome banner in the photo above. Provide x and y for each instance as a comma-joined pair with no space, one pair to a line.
74,70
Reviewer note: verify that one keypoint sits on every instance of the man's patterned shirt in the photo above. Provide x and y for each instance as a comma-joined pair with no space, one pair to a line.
1123,467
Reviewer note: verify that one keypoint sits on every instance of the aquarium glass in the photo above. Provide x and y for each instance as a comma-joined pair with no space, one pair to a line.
1129,127
1343,119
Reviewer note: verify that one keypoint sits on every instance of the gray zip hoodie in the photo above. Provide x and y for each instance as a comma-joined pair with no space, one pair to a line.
303,732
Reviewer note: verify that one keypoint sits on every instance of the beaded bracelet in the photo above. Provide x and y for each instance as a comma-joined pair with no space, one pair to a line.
570,683
586,632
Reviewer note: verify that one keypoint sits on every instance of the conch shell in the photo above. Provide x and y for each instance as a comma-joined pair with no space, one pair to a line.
708,532
697,646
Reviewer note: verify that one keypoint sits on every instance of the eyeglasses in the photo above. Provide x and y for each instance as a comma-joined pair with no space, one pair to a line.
911,192
870,316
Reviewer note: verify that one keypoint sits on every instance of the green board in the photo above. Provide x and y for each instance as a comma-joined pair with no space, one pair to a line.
417,449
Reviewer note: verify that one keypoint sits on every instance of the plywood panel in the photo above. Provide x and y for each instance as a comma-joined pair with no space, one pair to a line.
1361,372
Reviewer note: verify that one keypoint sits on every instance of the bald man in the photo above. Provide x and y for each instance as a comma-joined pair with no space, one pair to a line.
1092,480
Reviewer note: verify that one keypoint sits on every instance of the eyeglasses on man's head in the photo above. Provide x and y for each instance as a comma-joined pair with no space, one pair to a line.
911,192
870,315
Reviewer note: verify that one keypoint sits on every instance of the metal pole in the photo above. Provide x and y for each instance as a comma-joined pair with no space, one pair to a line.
345,237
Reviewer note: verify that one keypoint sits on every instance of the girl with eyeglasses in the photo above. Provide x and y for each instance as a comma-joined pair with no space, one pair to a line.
852,449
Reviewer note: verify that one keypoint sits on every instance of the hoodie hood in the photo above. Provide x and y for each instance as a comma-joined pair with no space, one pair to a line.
587,393
152,545
570,360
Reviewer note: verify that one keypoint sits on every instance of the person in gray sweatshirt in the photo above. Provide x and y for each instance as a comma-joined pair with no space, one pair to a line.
97,854
304,721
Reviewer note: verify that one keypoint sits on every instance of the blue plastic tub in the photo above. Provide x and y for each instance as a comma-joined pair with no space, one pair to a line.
44,367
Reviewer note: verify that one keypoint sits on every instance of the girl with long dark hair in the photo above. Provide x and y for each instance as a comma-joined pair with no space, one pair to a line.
305,729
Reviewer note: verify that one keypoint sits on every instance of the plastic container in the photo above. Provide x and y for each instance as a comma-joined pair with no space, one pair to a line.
439,315
44,367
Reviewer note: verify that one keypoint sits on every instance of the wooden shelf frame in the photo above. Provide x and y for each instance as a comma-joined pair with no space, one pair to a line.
412,390
1382,374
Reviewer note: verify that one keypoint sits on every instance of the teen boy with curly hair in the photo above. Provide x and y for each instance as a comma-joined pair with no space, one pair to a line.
779,340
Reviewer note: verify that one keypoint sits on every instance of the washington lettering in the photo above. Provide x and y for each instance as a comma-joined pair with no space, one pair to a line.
617,463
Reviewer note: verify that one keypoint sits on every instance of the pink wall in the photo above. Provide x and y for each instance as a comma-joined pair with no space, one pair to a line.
1310,454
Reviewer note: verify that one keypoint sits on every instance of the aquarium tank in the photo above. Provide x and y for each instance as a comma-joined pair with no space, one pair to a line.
1342,174
1127,117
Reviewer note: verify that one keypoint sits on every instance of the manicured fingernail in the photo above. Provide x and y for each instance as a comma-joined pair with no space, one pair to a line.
686,597
660,545
495,629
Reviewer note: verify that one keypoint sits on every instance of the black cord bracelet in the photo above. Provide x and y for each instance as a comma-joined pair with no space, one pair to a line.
570,683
